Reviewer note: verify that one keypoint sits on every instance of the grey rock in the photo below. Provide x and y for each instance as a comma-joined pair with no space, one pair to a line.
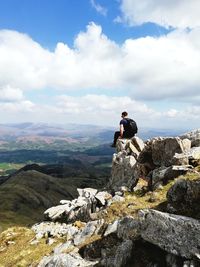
122,173
91,228
193,136
180,159
66,260
103,197
121,144
184,196
117,198
118,256
175,234
62,248
111,228
63,202
128,228
51,229
119,193
77,209
163,174
87,192
163,149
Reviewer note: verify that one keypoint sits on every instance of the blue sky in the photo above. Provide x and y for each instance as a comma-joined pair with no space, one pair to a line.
87,60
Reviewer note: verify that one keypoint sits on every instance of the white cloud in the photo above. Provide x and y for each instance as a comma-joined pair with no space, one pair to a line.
176,13
149,68
100,110
100,9
9,94
17,107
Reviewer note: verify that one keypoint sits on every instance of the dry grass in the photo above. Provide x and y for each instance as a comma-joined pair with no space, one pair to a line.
16,249
140,200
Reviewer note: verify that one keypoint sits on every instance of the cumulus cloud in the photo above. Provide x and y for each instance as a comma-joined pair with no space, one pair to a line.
149,68
100,9
175,13
9,94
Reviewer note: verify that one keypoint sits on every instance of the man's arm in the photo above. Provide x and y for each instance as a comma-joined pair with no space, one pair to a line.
121,129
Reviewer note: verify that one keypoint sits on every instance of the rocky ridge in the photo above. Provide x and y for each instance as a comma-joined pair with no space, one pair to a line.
163,232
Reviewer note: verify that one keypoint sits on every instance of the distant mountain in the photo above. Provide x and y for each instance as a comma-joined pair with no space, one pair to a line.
65,137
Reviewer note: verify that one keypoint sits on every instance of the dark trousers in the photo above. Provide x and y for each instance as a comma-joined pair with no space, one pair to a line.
125,135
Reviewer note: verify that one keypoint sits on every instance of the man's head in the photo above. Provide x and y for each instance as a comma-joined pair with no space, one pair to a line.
124,114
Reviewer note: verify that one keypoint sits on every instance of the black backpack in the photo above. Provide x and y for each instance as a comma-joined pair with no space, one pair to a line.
132,126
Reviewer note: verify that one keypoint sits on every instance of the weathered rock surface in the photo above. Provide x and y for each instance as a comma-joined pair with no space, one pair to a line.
163,149
193,136
178,235
117,256
184,198
66,260
82,208
153,160
124,162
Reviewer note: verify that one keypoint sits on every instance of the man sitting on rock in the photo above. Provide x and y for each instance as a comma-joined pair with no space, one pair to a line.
128,128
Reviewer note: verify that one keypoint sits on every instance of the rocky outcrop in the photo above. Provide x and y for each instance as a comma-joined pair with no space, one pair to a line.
124,163
84,208
157,160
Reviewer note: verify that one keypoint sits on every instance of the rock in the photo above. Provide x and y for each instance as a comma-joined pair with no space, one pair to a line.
62,248
128,228
117,198
175,234
77,209
193,136
63,202
122,171
184,197
163,174
119,193
103,197
164,149
111,228
51,229
90,229
180,159
87,192
138,143
117,256
121,144
66,260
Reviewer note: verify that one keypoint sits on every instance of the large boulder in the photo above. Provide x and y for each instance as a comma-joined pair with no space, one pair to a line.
175,234
163,149
184,198
162,175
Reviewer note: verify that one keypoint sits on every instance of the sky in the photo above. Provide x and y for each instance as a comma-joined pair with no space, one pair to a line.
86,61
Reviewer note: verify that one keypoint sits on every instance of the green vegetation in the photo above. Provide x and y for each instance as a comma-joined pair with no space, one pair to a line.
8,168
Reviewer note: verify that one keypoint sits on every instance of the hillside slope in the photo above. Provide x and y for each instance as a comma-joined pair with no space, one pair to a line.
28,193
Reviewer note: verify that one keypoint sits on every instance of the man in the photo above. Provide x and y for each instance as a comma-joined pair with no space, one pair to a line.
128,128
